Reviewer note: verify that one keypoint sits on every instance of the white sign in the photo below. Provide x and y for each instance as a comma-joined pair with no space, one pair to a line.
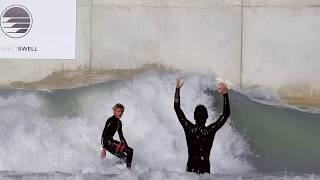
38,29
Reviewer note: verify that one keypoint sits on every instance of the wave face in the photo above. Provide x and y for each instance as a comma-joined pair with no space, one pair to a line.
281,138
61,130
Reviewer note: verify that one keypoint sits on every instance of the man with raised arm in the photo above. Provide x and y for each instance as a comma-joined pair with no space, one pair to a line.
200,137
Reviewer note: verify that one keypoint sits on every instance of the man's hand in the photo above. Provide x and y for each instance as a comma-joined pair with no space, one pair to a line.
103,153
222,88
179,83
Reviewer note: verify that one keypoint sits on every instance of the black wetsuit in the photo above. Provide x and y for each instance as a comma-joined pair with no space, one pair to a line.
114,124
199,137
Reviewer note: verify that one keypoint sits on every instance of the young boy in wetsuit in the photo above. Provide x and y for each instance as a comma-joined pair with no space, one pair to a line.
200,137
119,149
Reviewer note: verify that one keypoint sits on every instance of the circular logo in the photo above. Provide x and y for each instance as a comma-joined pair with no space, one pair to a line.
16,21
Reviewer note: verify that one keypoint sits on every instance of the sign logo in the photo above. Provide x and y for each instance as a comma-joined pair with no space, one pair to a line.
16,21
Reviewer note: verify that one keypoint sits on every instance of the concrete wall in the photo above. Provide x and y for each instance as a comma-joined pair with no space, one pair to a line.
280,40
202,37
281,43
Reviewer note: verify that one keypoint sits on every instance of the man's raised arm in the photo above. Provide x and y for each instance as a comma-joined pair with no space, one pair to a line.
182,118
226,108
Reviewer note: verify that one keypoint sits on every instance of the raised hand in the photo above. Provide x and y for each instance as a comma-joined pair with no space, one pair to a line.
222,88
179,83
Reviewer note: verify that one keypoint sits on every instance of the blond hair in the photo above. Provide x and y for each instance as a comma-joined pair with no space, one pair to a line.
118,105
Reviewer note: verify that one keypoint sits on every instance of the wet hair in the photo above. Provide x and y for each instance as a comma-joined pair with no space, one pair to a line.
118,105
200,114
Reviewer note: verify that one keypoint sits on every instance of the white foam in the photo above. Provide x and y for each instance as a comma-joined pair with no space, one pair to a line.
35,142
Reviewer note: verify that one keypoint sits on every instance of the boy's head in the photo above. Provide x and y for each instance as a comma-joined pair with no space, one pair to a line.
118,110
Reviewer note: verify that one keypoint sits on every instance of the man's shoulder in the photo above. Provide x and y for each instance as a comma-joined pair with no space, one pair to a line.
111,118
